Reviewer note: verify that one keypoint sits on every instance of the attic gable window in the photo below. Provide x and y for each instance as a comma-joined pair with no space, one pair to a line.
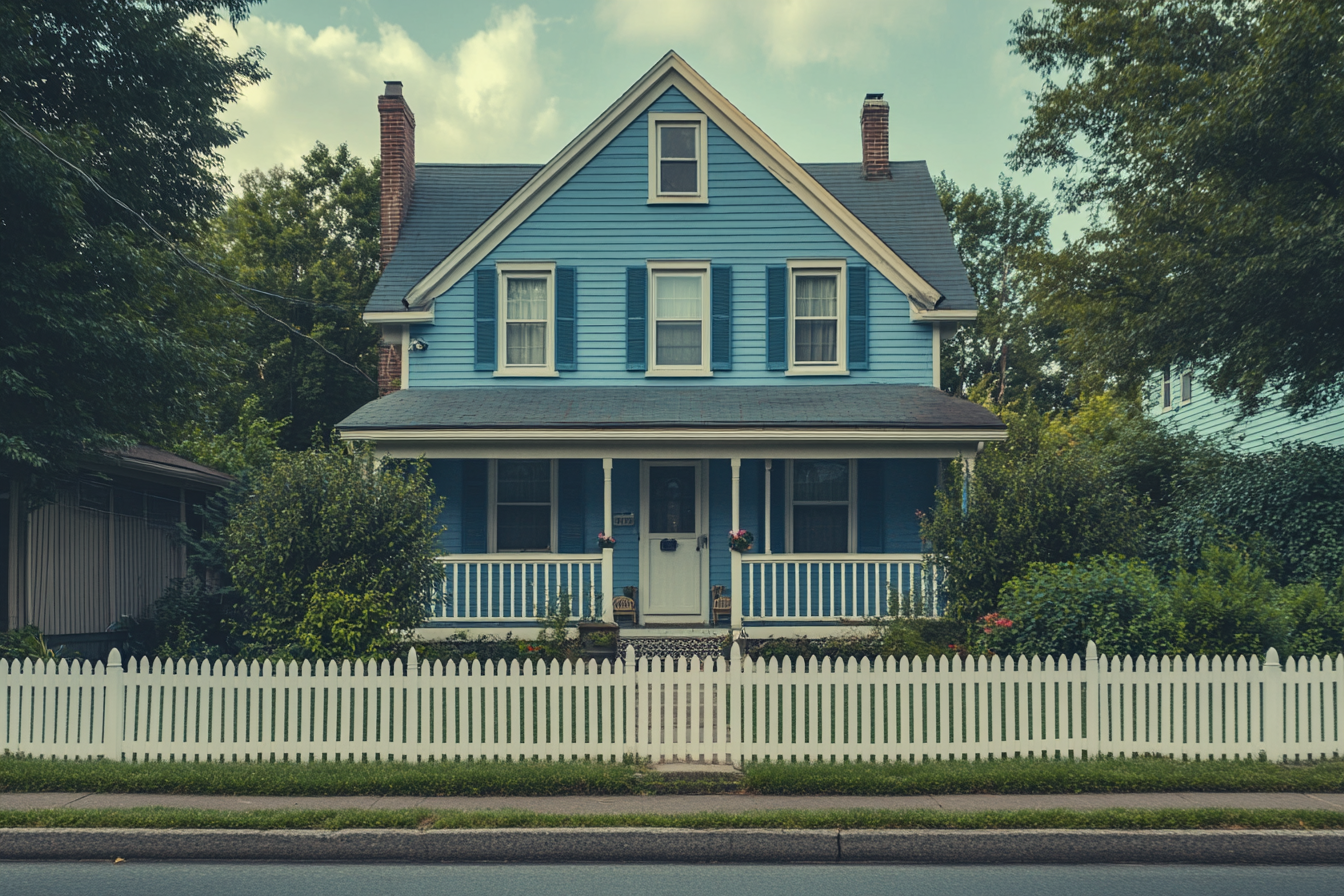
678,152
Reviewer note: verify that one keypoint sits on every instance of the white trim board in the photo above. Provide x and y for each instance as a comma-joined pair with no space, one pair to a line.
671,71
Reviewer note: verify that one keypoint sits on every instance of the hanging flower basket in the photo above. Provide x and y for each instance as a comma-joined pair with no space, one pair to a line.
603,542
740,540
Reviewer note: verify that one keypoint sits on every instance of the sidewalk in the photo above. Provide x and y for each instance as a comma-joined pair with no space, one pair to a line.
680,805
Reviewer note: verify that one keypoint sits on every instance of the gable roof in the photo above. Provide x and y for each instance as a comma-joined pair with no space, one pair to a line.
451,201
672,72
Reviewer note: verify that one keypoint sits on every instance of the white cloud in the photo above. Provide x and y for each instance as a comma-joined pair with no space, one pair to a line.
487,101
789,32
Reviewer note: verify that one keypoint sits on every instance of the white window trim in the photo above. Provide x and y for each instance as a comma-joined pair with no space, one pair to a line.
493,504
852,546
1164,389
701,195
840,367
651,338
504,270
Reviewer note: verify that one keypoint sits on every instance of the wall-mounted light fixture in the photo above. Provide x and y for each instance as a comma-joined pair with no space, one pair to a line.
419,345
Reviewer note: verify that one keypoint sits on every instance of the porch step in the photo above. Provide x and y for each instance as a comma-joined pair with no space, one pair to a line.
697,771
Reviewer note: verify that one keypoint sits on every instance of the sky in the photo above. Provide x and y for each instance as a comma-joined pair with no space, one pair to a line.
515,82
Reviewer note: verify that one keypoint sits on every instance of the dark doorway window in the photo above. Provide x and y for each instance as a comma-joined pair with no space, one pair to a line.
672,499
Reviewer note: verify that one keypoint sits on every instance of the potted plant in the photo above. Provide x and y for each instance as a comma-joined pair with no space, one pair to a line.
597,638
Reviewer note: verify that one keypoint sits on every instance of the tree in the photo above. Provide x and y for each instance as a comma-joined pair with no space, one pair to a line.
1003,237
333,552
93,351
1203,138
309,238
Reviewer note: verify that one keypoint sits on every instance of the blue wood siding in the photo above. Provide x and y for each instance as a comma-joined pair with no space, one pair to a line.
909,486
447,478
600,222
1265,431
625,499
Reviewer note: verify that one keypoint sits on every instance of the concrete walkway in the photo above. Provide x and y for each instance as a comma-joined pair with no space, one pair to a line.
678,805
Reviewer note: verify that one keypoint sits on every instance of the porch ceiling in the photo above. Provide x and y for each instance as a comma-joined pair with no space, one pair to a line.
896,412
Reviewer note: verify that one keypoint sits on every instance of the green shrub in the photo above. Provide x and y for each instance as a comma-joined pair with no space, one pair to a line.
1035,498
1317,618
1229,607
1290,501
186,621
328,533
1057,608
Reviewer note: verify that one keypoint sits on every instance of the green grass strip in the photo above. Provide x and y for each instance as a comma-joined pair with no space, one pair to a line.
847,819
1000,776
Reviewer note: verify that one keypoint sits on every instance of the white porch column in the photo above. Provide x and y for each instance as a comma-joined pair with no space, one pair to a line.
608,573
737,585
766,548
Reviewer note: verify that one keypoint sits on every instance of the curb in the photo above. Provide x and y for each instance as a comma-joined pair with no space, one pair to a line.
682,846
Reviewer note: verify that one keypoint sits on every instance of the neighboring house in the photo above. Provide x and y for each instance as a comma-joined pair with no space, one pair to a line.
670,330
104,548
1186,403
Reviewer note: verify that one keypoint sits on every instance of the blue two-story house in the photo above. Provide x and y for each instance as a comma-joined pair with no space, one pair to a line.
670,331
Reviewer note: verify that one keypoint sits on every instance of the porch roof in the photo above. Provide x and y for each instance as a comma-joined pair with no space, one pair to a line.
649,407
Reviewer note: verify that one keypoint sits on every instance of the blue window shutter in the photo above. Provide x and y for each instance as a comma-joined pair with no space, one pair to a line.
566,347
636,318
858,317
777,317
872,506
487,305
475,513
721,323
571,510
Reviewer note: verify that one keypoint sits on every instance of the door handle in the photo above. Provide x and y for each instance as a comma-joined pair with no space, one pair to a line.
701,542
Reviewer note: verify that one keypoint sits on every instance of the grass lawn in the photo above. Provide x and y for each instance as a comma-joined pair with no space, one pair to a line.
850,819
1003,776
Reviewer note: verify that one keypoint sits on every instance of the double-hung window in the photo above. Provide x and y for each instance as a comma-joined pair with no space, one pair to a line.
677,159
524,504
821,498
816,317
678,301
1166,388
1187,386
527,316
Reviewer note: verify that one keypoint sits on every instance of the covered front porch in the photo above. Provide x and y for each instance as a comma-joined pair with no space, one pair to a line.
831,508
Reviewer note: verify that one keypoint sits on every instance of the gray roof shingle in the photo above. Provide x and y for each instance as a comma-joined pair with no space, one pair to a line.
895,407
451,201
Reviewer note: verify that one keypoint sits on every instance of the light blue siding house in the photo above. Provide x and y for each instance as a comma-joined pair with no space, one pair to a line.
1184,402
670,331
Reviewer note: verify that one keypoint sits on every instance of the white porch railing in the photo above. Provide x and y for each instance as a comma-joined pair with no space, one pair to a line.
829,587
498,587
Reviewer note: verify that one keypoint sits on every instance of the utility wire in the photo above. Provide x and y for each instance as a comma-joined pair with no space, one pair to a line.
232,286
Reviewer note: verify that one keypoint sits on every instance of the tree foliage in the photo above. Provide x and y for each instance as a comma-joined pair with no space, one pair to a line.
1034,498
1003,237
94,350
333,549
309,237
1203,136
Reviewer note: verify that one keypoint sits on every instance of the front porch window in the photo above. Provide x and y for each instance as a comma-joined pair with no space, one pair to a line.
820,502
524,505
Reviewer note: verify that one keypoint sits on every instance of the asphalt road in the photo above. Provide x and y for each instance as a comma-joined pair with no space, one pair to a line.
230,879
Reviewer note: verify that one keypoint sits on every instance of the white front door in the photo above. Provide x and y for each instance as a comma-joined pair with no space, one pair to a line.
674,541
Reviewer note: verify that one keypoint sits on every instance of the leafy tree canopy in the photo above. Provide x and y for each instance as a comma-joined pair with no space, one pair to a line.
1003,237
1203,136
94,351
308,237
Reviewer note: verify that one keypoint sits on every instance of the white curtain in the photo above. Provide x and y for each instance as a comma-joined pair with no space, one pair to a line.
677,298
815,326
525,343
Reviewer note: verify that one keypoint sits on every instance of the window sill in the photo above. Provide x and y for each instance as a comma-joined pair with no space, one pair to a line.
678,200
682,373
816,371
525,371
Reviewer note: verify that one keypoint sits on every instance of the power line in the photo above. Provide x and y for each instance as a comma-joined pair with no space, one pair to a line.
231,285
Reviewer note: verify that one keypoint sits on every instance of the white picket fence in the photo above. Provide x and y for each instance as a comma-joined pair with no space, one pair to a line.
714,710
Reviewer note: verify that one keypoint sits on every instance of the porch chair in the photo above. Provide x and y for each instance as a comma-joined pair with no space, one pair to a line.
722,606
625,605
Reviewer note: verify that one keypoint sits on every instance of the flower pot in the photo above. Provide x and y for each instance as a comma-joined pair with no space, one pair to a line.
599,640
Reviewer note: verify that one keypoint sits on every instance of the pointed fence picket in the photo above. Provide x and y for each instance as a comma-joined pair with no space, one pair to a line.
718,709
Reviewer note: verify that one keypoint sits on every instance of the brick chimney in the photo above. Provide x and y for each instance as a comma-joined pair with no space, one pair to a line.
874,119
398,149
